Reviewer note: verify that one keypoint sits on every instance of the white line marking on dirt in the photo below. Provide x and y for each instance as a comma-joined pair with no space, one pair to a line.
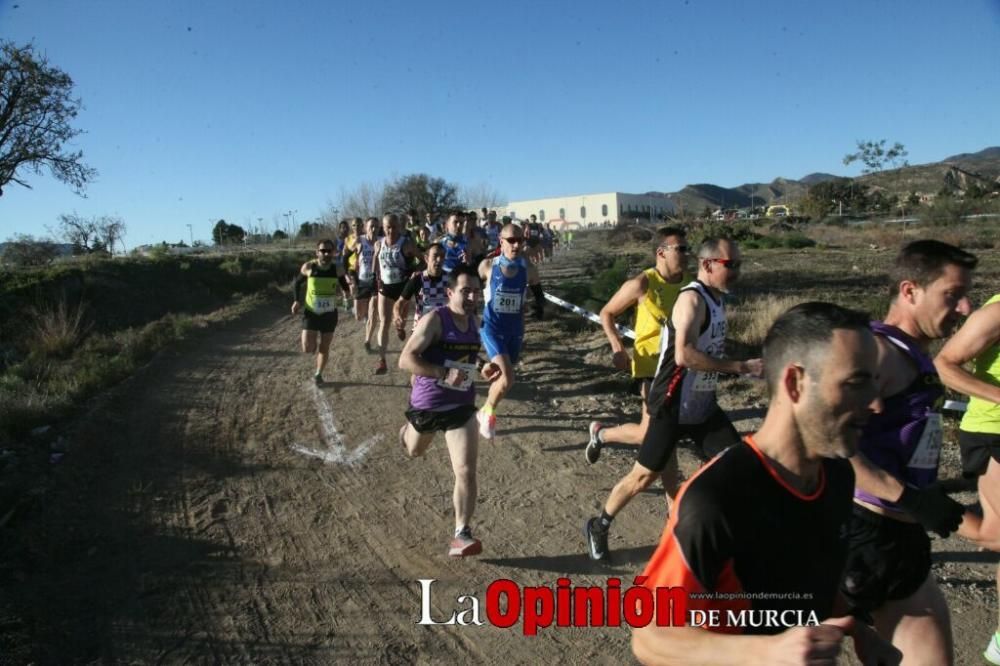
337,451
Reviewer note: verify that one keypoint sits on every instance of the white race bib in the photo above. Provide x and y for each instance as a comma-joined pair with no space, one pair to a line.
928,451
323,304
507,302
470,370
705,381
392,274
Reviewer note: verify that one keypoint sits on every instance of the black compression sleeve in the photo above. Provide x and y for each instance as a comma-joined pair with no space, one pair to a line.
411,287
297,284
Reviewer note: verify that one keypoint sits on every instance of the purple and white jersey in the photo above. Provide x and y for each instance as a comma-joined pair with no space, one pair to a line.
455,349
905,439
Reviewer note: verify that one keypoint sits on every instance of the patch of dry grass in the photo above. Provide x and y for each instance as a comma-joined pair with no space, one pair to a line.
749,321
57,330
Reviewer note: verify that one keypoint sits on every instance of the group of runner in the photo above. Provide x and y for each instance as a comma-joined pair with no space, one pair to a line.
825,509
773,516
463,269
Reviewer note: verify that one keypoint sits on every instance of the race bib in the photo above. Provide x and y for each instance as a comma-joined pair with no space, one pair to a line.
928,451
470,370
507,302
391,274
324,304
705,381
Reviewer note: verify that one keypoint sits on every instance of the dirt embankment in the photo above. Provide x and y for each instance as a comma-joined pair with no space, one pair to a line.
184,527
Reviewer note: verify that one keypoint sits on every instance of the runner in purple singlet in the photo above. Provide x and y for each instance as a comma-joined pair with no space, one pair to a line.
896,498
442,354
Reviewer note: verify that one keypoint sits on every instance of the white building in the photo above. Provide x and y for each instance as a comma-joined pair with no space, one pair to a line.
591,210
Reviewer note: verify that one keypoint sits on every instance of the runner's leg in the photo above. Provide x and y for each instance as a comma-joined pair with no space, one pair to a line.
919,626
323,354
309,341
463,447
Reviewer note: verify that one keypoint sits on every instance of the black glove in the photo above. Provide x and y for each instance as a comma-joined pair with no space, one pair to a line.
932,508
539,308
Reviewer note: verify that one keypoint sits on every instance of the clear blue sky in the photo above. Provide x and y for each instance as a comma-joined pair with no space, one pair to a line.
196,111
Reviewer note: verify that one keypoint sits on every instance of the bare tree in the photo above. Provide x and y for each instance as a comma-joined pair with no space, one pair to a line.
35,114
365,200
481,195
88,235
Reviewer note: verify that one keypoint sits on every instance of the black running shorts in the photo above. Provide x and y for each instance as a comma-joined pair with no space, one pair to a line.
364,290
713,435
452,419
324,323
977,449
887,560
392,291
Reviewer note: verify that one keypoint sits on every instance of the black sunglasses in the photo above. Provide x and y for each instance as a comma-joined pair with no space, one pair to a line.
514,240
326,250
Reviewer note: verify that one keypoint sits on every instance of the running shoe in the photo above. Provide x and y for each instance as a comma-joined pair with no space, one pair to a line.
464,544
368,346
593,450
318,378
597,539
381,368
401,333
487,425
992,653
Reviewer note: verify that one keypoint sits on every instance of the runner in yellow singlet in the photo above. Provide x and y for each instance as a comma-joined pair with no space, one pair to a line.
653,293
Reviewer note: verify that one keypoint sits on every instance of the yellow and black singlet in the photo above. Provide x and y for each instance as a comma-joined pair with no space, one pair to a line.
650,314
321,288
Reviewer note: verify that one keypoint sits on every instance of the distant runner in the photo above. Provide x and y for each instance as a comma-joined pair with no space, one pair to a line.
428,287
455,245
320,277
682,401
441,354
392,258
364,278
533,234
506,280
652,293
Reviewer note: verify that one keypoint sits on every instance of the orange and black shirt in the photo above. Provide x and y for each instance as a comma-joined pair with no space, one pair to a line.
740,538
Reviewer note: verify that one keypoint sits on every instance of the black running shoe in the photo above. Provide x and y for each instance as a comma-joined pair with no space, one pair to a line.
597,539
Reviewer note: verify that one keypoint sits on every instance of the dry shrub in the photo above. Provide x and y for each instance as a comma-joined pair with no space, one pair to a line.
57,330
748,322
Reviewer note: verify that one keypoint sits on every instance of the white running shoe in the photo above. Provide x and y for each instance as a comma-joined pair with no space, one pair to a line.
992,653
487,425
593,450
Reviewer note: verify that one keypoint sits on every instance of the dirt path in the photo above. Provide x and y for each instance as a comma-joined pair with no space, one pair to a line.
184,527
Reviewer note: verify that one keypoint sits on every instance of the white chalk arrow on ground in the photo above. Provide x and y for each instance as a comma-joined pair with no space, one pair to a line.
336,451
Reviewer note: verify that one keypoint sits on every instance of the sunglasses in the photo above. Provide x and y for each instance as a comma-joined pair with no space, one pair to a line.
679,248
728,263
326,250
514,240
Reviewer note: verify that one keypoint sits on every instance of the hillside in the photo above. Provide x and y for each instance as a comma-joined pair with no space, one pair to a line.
958,171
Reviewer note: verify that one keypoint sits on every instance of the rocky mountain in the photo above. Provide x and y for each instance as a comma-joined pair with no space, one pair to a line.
957,171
